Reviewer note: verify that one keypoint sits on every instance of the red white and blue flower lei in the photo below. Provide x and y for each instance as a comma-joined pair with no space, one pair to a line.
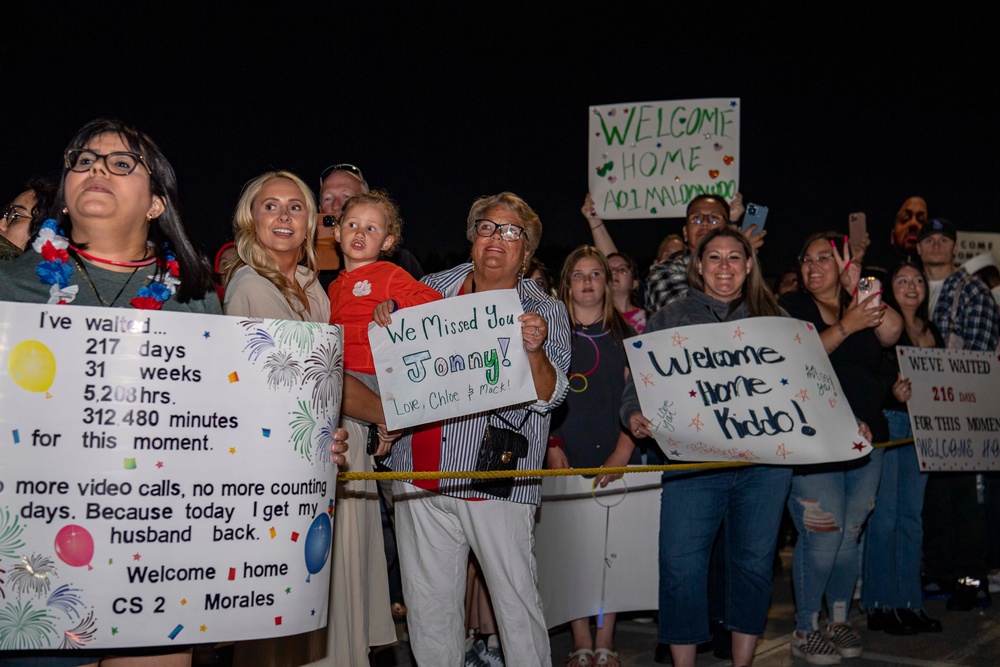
55,269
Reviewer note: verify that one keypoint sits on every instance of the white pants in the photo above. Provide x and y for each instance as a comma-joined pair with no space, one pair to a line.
433,535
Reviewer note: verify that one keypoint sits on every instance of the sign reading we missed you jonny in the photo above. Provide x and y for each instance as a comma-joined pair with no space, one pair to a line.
451,358
955,407
759,390
649,159
164,477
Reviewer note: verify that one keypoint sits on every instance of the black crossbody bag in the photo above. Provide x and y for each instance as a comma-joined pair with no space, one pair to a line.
500,450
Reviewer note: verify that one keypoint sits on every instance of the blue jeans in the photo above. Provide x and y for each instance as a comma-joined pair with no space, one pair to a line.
827,557
692,508
895,532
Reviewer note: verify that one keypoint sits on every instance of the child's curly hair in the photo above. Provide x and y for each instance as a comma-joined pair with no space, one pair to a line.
381,199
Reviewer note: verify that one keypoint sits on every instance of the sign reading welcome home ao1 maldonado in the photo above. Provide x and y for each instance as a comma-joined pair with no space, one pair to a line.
649,159
759,390
164,477
450,358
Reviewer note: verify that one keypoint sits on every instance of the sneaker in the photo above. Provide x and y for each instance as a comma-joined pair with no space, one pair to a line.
814,649
471,657
488,655
844,640
969,595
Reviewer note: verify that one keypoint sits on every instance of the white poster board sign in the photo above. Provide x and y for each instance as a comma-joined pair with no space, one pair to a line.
164,477
649,159
955,407
450,358
598,551
759,390
970,244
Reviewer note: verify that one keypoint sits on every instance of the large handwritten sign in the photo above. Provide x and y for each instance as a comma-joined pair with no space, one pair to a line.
164,477
597,550
451,358
954,409
970,244
759,390
649,159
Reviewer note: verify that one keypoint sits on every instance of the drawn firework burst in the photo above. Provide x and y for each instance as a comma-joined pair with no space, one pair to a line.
282,370
78,636
324,440
303,424
325,368
260,341
10,534
66,600
24,627
32,574
301,336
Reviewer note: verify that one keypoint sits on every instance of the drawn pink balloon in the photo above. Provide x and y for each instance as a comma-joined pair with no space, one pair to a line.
75,546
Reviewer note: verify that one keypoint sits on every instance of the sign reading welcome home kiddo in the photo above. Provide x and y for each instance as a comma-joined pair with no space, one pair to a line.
164,477
759,390
450,358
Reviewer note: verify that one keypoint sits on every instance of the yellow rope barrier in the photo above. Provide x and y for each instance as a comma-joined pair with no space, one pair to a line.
562,472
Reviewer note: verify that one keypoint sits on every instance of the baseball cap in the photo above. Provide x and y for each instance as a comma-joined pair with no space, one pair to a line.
937,226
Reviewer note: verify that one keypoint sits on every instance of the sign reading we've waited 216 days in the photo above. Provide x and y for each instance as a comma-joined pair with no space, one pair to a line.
164,477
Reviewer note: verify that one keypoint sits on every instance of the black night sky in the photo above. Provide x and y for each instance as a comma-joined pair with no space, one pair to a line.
439,103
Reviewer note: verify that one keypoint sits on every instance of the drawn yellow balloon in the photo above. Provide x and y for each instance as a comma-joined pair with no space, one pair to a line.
32,365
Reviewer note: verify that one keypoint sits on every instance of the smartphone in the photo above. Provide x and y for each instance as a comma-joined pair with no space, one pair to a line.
867,286
857,227
755,215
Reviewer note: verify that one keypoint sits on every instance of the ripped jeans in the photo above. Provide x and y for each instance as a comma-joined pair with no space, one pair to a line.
827,557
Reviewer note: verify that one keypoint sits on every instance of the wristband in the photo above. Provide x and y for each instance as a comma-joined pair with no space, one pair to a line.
555,441
840,327
597,226
395,306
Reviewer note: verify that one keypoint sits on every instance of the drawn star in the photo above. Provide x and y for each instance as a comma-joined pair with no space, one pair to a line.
674,452
678,339
733,104
697,423
203,628
784,381
692,393
114,630
671,442
390,397
782,452
833,402
860,446
804,395
739,333
923,464
312,612
232,450
647,380
183,601
809,326
798,339
137,556
288,590
159,464
207,334
110,561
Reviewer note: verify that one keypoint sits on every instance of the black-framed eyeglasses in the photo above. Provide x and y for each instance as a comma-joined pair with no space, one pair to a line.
508,231
710,219
118,163
11,214
349,168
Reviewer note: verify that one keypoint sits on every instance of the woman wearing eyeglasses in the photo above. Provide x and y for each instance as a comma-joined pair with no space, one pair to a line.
438,521
830,503
21,218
